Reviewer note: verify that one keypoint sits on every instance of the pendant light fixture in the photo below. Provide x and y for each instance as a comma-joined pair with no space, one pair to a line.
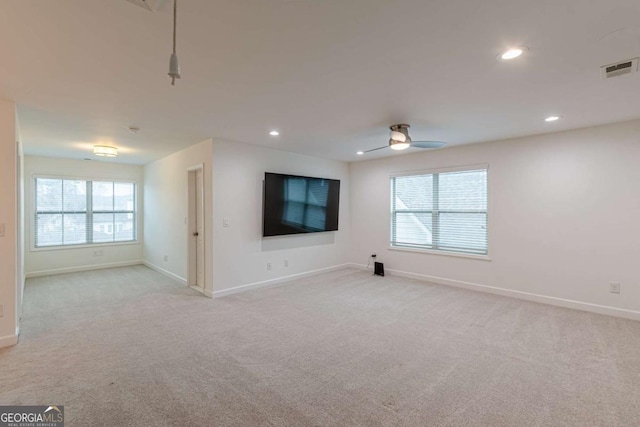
174,66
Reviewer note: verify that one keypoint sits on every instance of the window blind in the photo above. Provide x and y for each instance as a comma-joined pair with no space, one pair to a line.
444,211
78,212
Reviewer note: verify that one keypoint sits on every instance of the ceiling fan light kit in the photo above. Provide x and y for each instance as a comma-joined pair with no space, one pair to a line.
398,136
398,145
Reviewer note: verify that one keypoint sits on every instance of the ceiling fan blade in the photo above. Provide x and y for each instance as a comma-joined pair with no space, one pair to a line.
375,149
428,144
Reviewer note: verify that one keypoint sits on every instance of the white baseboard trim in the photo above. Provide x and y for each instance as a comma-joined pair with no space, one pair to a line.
8,341
560,302
360,267
276,281
81,268
164,272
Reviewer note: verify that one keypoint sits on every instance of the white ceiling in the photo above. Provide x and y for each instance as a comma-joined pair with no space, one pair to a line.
331,75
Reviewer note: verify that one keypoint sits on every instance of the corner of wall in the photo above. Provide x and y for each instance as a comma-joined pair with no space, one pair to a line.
9,268
165,225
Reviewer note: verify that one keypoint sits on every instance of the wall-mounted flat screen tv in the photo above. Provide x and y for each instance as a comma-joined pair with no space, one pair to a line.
299,204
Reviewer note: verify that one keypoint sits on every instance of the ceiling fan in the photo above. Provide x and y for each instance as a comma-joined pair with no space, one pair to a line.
400,140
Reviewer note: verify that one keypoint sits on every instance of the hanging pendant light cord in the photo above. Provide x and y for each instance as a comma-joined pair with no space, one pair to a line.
175,30
175,23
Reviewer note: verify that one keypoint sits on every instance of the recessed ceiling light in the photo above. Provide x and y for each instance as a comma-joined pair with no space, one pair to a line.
512,53
552,119
274,133
134,129
360,153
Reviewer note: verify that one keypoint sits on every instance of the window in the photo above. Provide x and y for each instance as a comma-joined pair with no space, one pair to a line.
444,211
80,212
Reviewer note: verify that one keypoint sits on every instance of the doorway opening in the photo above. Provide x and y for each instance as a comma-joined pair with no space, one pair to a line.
195,228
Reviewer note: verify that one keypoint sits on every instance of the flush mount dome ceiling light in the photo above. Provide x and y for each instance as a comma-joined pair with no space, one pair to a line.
399,139
274,133
105,151
512,53
552,119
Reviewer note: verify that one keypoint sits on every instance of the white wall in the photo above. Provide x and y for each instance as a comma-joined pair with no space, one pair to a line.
240,254
8,219
60,260
564,215
166,202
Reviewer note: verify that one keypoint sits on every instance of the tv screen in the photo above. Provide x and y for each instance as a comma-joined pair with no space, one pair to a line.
299,204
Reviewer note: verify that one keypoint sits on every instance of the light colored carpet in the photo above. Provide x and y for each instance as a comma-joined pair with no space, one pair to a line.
128,347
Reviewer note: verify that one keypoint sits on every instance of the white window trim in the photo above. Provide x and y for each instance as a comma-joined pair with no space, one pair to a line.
460,168
32,220
83,246
444,170
441,252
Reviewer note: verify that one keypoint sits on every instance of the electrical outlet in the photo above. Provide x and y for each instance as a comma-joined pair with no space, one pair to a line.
98,253
166,258
268,266
286,263
614,287
225,222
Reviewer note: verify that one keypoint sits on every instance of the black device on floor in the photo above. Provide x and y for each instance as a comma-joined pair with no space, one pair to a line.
378,269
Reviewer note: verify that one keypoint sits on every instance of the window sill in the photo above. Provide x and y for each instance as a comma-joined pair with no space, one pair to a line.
86,246
445,253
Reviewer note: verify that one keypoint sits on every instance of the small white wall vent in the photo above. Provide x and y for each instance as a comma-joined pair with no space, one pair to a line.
619,68
150,5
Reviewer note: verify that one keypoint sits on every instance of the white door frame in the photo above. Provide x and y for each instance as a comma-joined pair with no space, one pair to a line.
192,257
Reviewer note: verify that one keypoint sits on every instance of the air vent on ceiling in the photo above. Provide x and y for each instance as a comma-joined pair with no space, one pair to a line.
150,5
620,68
